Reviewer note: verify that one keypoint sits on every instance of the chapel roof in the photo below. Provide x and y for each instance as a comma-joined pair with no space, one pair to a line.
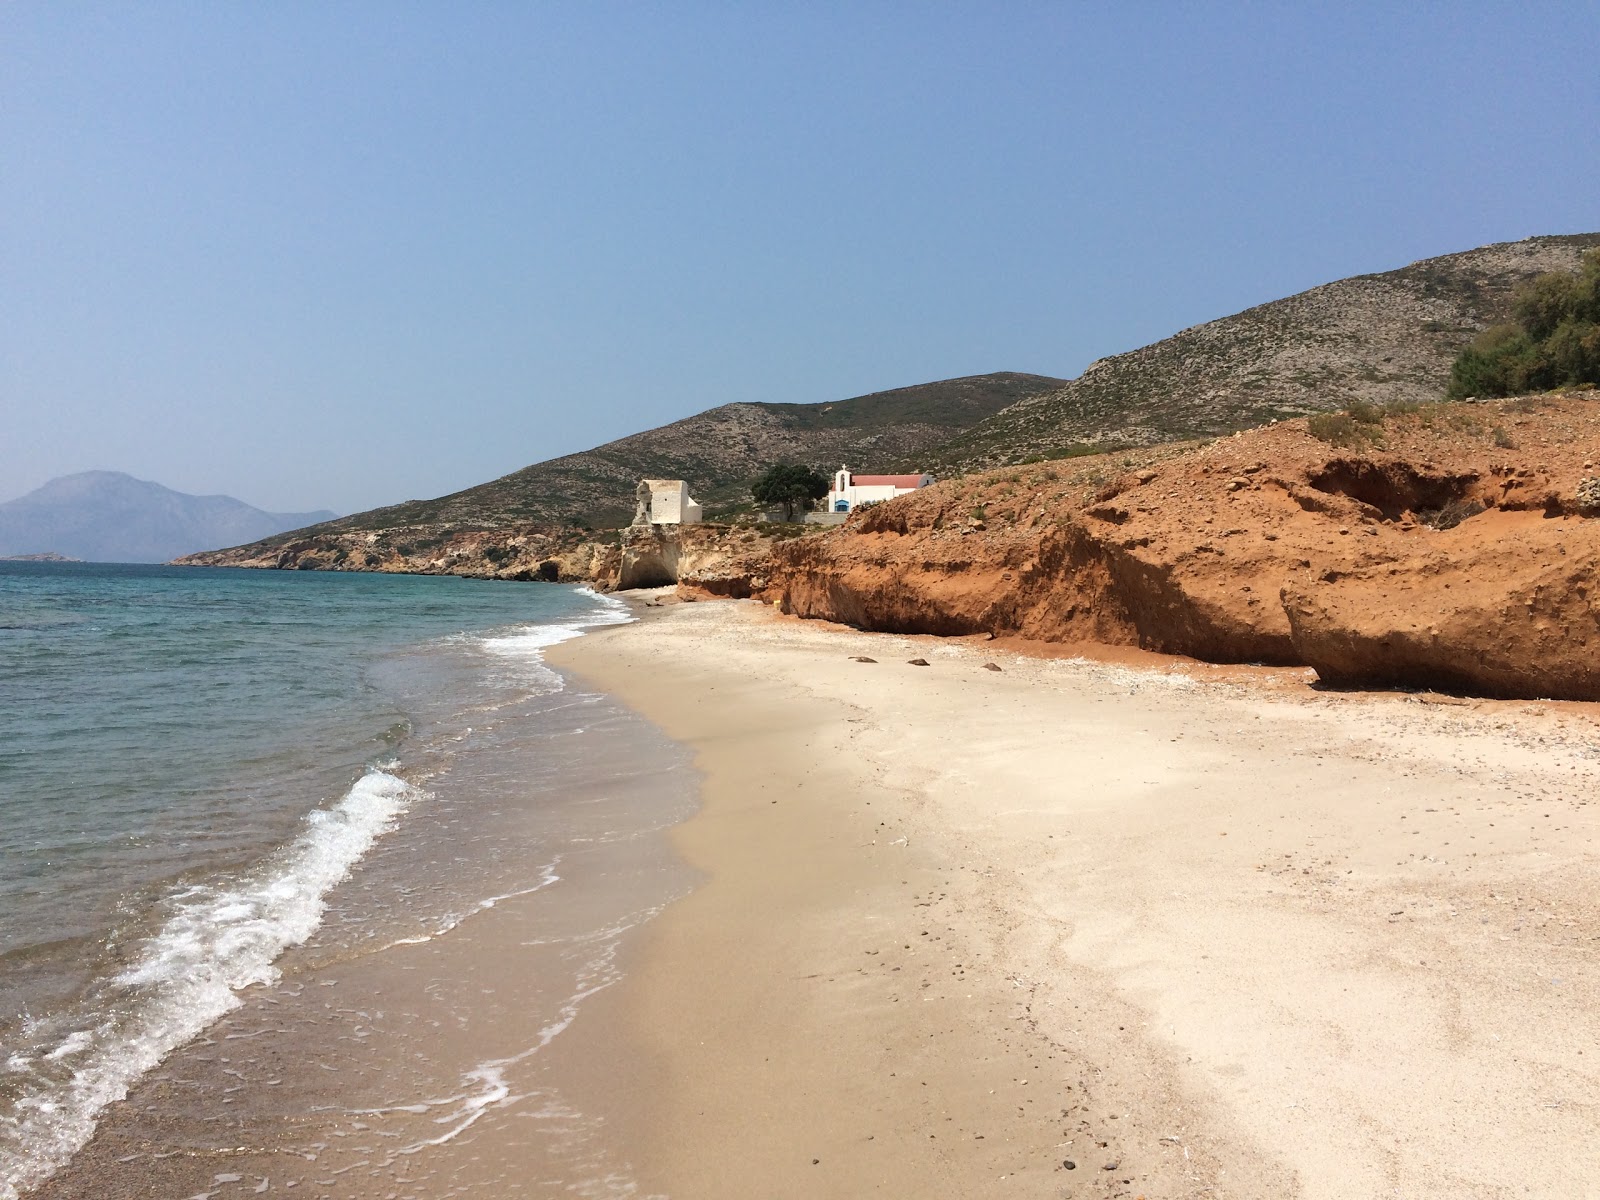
904,481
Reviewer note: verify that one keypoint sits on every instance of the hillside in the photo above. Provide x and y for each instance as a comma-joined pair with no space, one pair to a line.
106,516
719,452
1378,338
1383,338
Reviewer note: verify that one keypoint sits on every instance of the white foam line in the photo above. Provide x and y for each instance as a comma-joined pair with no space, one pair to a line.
528,641
524,648
613,611
217,940
547,877
493,1090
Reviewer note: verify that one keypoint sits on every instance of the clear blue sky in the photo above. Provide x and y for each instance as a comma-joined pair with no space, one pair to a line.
347,254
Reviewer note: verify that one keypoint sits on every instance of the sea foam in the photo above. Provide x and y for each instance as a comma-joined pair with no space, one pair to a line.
525,646
216,939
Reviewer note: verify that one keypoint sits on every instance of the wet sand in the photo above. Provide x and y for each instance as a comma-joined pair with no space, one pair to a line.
961,928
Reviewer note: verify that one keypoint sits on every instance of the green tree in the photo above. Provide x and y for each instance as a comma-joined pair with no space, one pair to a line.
1500,361
790,485
1543,304
1555,341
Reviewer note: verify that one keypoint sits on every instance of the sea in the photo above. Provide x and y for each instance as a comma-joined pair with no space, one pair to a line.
307,871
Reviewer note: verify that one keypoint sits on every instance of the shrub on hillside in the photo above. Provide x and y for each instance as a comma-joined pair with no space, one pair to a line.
1554,341
1360,422
1337,429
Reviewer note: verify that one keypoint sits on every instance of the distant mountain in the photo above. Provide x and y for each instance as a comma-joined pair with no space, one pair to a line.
106,516
719,452
1378,338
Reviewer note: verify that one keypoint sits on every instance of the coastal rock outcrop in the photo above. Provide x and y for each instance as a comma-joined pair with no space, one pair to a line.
517,552
706,561
1446,546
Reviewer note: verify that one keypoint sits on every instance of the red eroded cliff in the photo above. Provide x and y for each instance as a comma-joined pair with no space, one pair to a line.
1454,546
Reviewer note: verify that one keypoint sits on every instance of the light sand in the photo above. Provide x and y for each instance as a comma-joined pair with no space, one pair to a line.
960,927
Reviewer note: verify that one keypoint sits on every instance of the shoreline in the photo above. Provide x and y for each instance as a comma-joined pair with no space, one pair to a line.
430,1037
960,927
944,930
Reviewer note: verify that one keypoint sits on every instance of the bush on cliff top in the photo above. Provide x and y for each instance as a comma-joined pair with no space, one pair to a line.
1554,341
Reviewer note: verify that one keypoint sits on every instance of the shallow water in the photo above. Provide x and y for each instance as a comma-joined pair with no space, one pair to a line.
227,798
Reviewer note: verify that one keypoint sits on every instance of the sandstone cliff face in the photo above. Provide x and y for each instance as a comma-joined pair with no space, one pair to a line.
1506,607
1453,549
706,562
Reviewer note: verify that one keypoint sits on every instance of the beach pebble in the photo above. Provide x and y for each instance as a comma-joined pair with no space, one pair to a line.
862,658
1069,1164
917,662
991,666
1113,1164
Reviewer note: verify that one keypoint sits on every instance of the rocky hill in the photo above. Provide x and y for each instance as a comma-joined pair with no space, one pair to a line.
1375,338
719,453
1453,546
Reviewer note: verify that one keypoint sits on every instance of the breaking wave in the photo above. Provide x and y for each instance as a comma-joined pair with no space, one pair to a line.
216,939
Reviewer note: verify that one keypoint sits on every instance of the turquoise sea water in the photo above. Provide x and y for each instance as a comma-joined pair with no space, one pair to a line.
193,759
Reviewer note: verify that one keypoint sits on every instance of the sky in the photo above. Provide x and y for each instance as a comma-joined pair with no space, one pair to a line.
337,255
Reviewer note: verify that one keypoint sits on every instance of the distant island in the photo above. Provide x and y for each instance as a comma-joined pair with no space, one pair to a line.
108,516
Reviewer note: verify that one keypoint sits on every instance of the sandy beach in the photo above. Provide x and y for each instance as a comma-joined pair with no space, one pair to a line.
1070,928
